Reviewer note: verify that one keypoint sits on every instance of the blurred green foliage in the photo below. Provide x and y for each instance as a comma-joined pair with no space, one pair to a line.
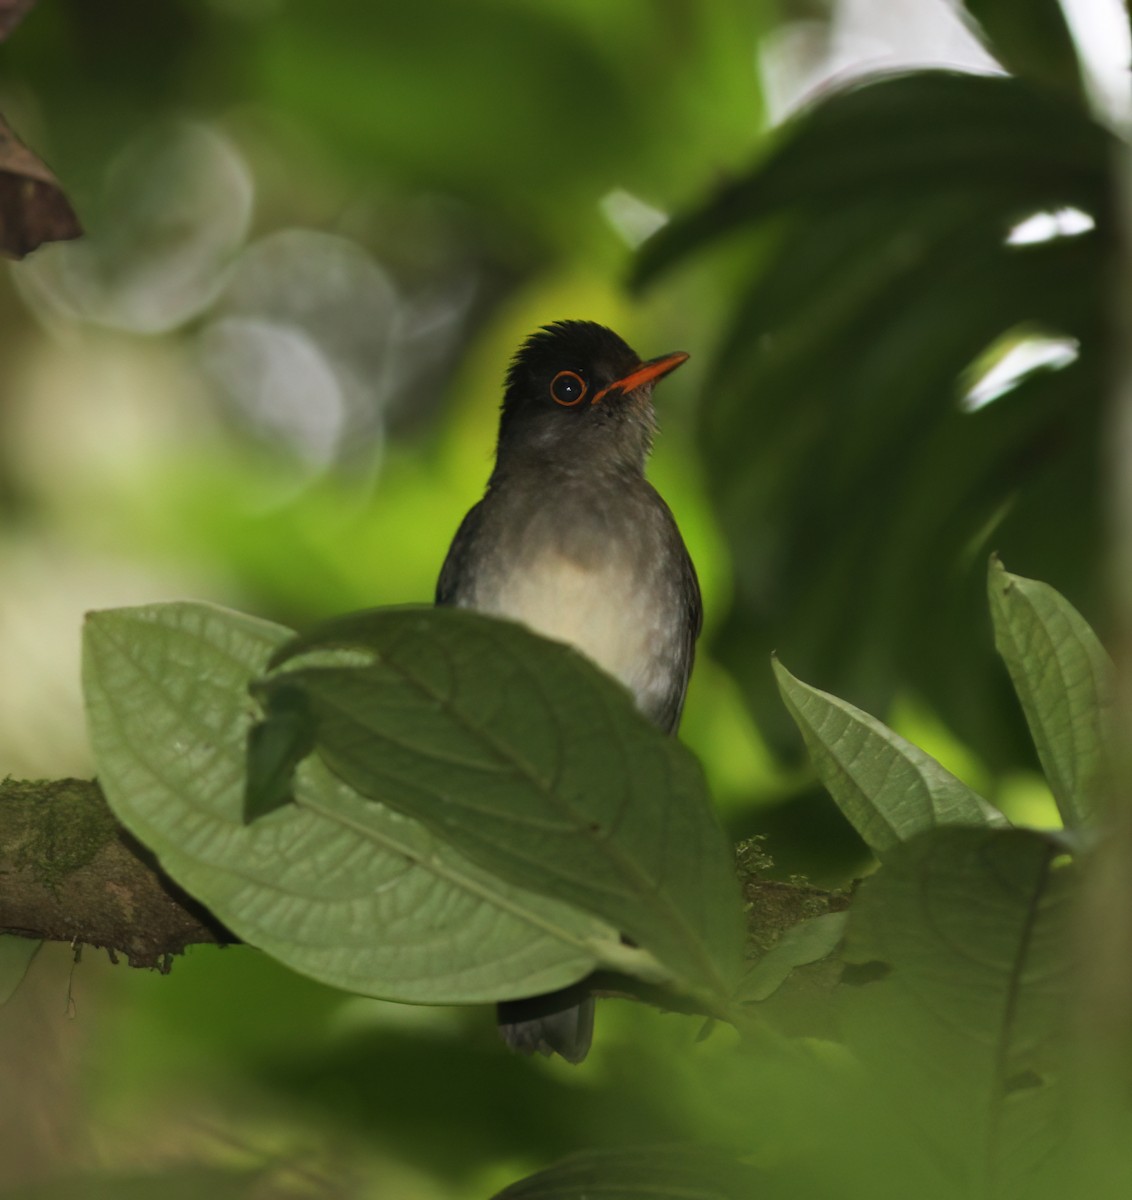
859,493
483,167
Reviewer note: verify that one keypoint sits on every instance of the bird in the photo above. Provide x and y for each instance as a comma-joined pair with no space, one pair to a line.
571,540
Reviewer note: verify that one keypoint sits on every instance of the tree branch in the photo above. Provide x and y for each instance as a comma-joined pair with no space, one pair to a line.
70,873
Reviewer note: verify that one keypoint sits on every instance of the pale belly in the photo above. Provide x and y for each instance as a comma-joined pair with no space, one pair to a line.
601,610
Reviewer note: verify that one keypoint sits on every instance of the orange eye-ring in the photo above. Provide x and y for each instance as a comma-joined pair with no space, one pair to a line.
568,388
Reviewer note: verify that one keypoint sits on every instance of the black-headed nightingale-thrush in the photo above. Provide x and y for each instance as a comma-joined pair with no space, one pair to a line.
573,541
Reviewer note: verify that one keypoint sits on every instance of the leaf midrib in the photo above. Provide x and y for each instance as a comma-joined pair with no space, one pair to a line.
644,885
123,647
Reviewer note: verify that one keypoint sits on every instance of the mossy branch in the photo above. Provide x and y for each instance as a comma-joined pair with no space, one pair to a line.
70,873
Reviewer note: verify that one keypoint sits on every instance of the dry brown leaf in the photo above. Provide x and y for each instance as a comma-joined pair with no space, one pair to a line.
33,209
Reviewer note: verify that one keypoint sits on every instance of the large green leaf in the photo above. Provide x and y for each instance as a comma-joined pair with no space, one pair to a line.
337,886
968,937
857,493
888,789
640,1173
1065,681
535,764
913,133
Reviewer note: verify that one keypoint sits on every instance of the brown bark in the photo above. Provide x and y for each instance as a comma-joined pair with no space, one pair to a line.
33,208
70,873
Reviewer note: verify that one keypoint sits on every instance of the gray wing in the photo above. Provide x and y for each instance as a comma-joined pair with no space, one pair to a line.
455,574
668,718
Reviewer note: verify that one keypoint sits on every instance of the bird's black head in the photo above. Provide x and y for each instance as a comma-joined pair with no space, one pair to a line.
576,393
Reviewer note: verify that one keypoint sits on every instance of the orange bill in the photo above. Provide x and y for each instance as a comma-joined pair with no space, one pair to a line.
647,372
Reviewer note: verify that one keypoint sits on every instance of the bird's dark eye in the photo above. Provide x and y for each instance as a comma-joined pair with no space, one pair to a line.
568,388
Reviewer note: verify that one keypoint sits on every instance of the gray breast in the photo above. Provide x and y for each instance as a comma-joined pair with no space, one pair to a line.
600,571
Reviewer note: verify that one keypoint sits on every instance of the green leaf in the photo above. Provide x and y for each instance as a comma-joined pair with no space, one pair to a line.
807,942
915,133
16,954
888,789
537,765
1065,681
1031,38
336,886
640,1173
276,746
968,936
856,492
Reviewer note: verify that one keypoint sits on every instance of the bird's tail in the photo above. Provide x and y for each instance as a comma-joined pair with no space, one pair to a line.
558,1023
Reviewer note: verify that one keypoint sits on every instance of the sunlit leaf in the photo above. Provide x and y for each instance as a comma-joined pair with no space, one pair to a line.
1064,679
967,936
640,1173
535,764
335,886
889,789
